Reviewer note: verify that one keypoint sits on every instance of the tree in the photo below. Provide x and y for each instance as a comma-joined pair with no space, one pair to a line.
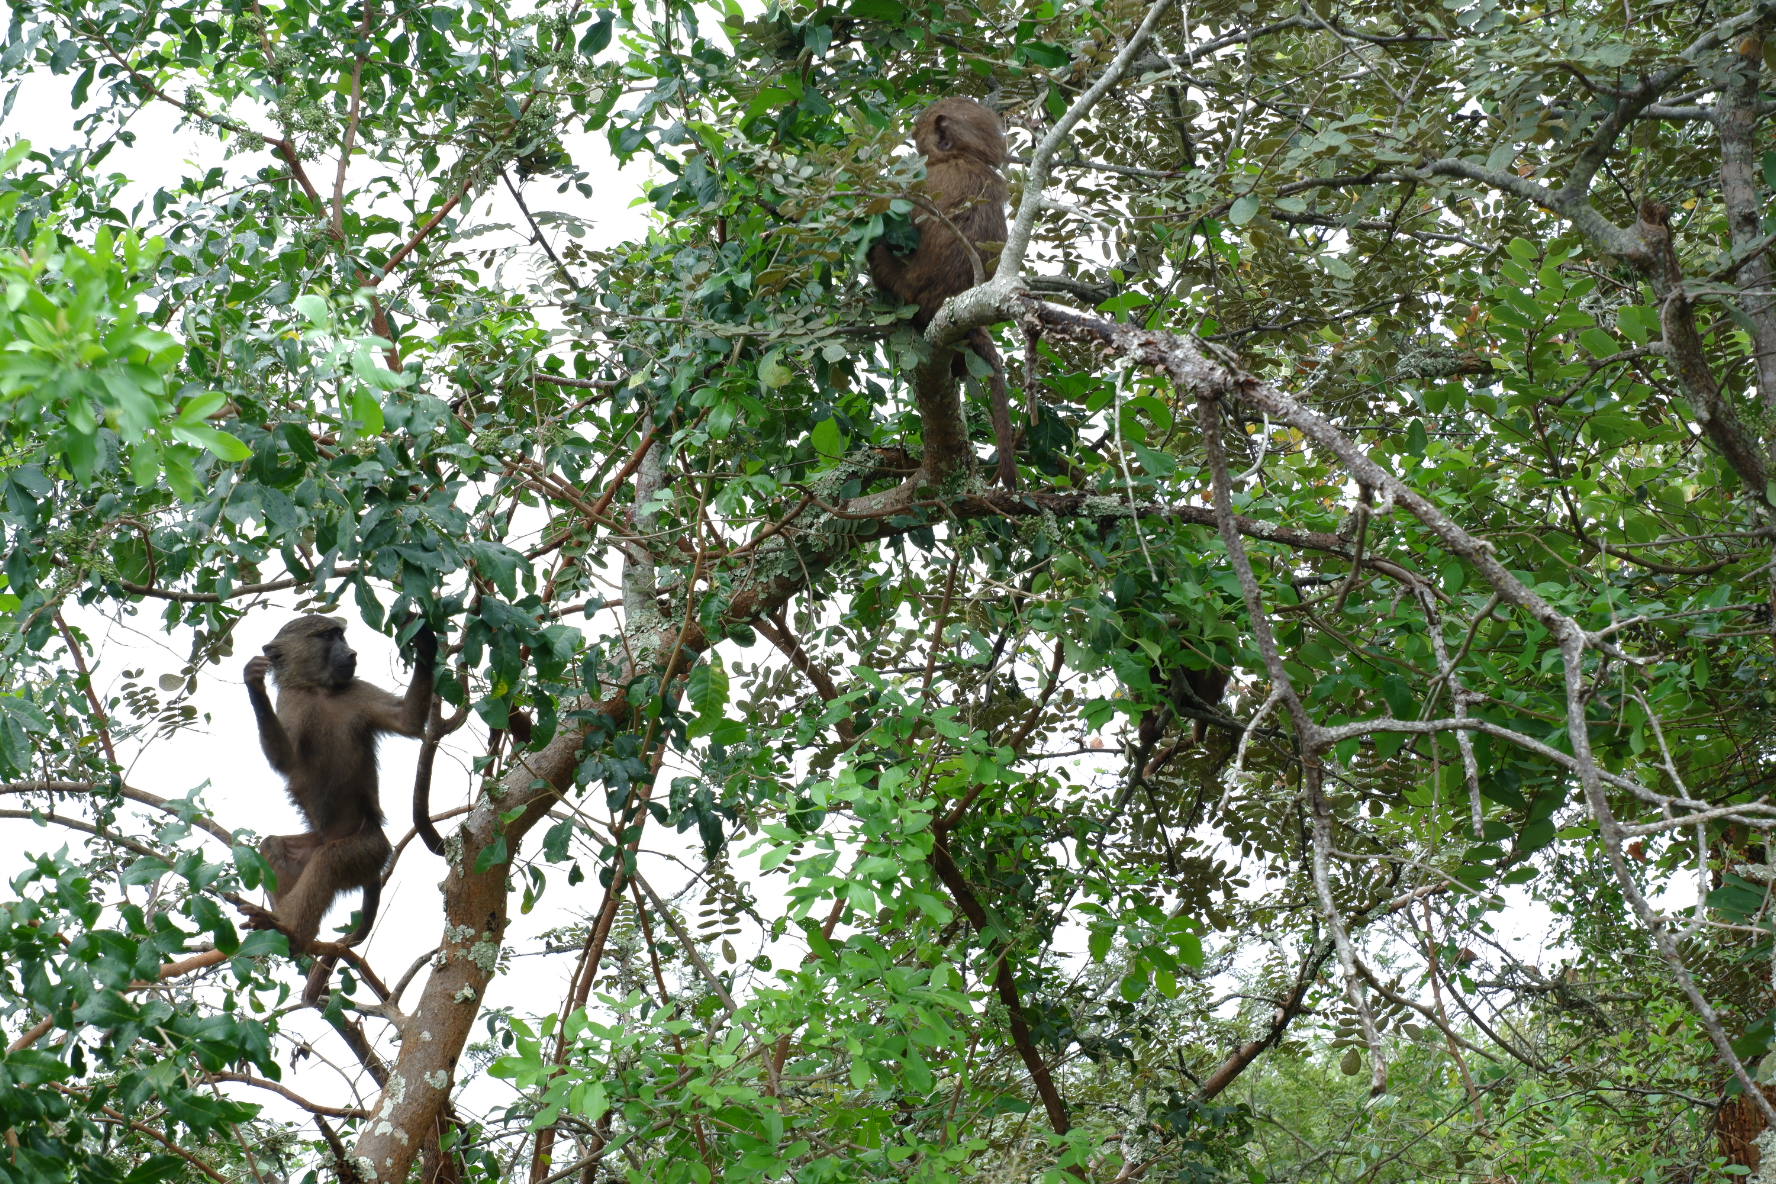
1407,370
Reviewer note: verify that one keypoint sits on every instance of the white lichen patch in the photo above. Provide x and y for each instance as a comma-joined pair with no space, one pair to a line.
1766,1145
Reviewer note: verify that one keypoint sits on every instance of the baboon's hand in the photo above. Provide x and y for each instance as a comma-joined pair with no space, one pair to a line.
256,670
425,645
256,917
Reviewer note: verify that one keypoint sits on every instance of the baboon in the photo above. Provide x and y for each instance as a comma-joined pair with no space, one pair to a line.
1189,694
961,220
322,738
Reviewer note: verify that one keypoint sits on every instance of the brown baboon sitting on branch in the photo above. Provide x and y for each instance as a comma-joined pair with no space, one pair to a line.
961,223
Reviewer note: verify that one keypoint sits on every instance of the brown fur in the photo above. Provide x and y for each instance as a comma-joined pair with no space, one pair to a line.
963,144
322,738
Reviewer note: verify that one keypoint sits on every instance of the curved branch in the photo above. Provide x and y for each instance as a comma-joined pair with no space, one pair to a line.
1017,238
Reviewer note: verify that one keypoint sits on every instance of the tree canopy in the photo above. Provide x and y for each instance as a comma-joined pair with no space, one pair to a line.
1390,561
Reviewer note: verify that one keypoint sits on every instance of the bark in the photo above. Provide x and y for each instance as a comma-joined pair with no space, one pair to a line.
475,909
1741,163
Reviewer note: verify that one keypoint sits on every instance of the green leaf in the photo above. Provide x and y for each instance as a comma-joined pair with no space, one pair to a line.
827,439
1417,439
314,309
597,37
1133,985
1098,943
773,374
1637,322
219,443
1598,343
201,406
1042,54
879,10
367,411
707,689
493,855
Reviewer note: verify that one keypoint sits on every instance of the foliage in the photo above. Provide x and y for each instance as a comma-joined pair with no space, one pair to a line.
1413,364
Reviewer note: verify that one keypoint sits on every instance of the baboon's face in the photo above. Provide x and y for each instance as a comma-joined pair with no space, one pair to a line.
312,652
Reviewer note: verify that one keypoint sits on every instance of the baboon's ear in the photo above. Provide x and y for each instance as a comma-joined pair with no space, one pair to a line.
944,140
